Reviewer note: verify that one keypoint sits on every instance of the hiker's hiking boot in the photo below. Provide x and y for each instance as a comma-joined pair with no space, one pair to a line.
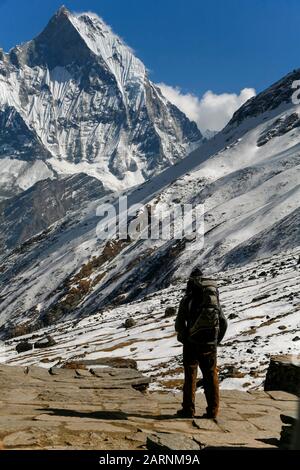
185,414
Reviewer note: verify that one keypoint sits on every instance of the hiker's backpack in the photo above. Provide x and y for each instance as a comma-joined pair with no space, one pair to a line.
204,313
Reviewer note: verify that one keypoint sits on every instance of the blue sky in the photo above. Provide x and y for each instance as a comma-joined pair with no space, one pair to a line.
197,45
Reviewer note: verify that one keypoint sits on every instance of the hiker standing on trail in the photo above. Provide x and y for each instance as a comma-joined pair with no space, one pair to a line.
200,326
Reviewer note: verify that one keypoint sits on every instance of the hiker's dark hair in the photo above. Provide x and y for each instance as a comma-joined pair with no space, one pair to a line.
196,272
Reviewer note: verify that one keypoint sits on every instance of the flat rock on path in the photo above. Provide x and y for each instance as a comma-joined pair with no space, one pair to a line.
109,408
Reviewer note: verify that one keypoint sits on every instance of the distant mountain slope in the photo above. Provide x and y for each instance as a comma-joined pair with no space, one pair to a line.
76,100
46,202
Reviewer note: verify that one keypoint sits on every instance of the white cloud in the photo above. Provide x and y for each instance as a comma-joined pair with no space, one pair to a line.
211,111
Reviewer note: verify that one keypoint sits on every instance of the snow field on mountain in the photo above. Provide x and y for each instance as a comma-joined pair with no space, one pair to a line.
261,302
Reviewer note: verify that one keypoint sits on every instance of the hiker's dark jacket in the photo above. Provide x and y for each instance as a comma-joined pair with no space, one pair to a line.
182,320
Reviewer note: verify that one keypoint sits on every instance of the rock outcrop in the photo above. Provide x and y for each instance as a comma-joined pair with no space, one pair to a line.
288,430
46,342
284,374
23,346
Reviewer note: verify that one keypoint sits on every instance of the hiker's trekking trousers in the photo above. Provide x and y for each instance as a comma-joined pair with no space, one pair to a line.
194,356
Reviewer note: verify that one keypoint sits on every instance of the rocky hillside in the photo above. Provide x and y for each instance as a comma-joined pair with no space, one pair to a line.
260,300
247,177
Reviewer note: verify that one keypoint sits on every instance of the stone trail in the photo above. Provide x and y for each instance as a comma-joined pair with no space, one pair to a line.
109,408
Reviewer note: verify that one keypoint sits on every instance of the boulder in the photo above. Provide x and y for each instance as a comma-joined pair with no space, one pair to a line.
23,346
289,420
260,297
284,374
129,322
170,312
45,342
232,316
231,371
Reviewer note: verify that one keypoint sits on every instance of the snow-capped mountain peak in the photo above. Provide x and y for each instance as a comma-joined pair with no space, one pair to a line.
101,40
88,107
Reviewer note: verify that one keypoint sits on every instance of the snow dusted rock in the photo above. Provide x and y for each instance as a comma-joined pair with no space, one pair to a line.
280,127
47,342
170,312
85,107
129,322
